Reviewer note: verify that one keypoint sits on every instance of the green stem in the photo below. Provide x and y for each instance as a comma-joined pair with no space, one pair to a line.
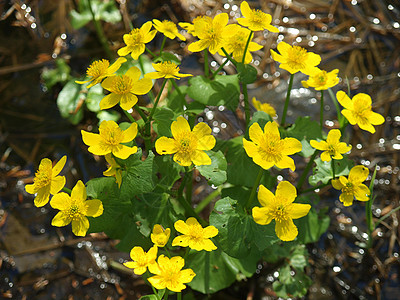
203,203
219,69
333,168
157,99
179,296
162,45
368,210
168,254
189,186
321,111
206,69
166,294
150,52
129,116
229,57
178,90
67,190
254,189
287,100
336,103
246,105
140,112
306,170
312,189
155,292
247,46
100,32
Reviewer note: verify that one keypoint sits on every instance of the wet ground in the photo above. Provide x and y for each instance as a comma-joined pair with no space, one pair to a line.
38,261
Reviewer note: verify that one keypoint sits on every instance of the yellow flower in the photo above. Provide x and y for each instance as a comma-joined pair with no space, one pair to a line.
169,274
280,207
254,19
188,146
267,149
352,186
110,139
141,260
47,181
236,43
332,147
124,89
166,69
75,209
321,80
295,58
168,28
101,69
114,169
136,39
358,111
194,236
265,107
159,236
211,33
189,27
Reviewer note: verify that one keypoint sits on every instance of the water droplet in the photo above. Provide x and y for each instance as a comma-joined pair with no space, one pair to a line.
33,25
312,16
352,29
376,21
353,2
336,269
285,19
226,6
299,39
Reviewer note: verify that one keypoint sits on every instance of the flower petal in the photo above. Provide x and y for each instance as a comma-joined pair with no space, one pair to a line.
291,146
321,145
180,126
81,226
61,201
42,197
201,130
286,162
116,65
337,184
90,138
265,196
256,134
344,100
182,241
127,101
206,143
133,73
200,158
362,192
262,215
358,174
298,210
123,151
325,156
109,101
285,190
79,192
59,166
143,86
61,219
57,183
166,145
286,230
130,133
209,232
94,208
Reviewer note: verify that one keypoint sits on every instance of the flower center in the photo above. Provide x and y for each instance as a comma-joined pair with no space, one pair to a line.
134,38
257,17
169,26
112,136
348,188
98,68
121,85
296,57
271,149
169,68
321,78
187,144
74,212
42,177
280,214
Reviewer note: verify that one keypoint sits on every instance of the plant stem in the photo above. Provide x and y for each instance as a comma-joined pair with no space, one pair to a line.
333,168
129,116
179,296
207,200
335,102
140,112
254,189
155,292
162,45
287,100
206,69
247,45
189,186
306,170
312,189
368,210
321,111
228,56
246,105
157,99
178,90
220,68
67,190
100,32
150,52
166,294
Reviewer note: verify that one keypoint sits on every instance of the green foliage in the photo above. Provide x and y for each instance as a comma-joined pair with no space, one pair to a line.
223,90
216,172
238,233
163,118
102,10
69,102
323,170
60,74
290,285
247,73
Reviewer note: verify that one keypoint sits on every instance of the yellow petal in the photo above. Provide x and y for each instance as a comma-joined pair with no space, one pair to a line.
358,174
325,156
127,101
346,199
344,100
108,83
130,133
186,275
59,166
80,226
286,230
337,184
375,118
180,126
61,219
123,151
200,158
362,192
90,138
256,134
272,128
133,73
291,146
30,188
250,148
206,143
143,86
261,215
153,75
322,145
182,241
286,162
298,210
136,253
201,130
348,114
181,227
209,232
79,192
285,190
165,145
202,244
198,46
116,65
109,101
43,196
57,183
265,196
124,51
94,208
245,9
333,136
61,201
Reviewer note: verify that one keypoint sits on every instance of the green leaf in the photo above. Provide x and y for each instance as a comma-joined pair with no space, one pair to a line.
304,129
291,286
61,73
140,176
107,11
238,233
176,101
216,172
216,270
247,73
312,226
163,118
323,170
78,20
93,98
69,102
168,171
108,115
223,90
240,163
168,56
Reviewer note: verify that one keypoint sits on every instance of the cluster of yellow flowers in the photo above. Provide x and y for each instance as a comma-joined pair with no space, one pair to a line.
168,270
74,208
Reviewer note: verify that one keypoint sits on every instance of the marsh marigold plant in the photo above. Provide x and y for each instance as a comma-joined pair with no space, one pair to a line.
332,148
187,146
280,207
159,236
47,181
141,260
255,19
